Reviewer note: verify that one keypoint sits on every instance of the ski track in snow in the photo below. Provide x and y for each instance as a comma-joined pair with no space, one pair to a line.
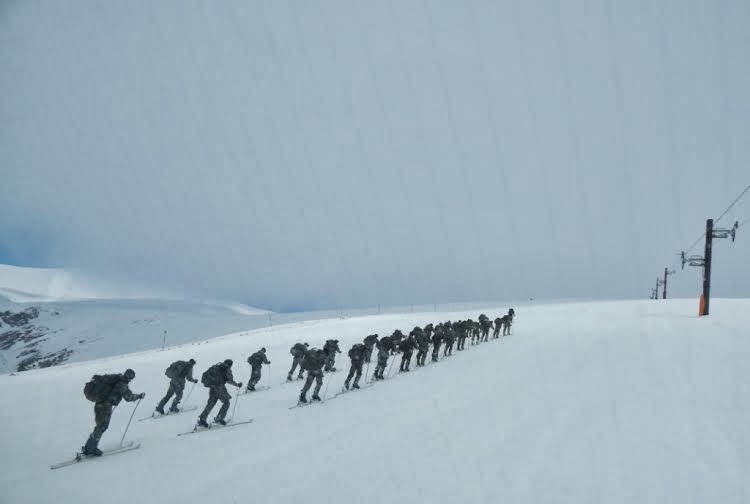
630,401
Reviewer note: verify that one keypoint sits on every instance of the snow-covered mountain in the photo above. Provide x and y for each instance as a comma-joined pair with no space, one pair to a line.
50,316
615,402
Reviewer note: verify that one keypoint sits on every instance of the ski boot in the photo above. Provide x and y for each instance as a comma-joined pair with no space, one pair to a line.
355,386
90,449
159,409
174,409
316,398
250,388
220,421
202,423
346,385
288,378
302,399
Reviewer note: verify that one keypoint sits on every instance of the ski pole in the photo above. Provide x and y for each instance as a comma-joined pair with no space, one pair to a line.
367,370
236,400
268,381
325,392
190,392
131,419
391,366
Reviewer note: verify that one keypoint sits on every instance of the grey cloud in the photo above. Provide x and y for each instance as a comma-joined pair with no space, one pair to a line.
292,154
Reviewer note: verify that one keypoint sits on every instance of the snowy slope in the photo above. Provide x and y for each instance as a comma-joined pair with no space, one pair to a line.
615,402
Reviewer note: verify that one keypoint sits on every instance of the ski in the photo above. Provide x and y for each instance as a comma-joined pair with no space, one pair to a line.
79,457
304,405
155,415
215,426
361,387
258,389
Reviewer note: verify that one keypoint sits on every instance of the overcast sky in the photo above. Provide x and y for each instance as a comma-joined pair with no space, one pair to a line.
297,155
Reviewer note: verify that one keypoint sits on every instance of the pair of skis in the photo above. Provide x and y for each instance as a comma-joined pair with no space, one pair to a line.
156,415
214,426
80,457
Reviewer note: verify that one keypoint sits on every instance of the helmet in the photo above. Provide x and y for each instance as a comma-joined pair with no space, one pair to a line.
129,374
263,349
192,361
228,362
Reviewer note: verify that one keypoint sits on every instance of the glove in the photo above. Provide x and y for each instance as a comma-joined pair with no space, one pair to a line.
141,395
269,362
239,385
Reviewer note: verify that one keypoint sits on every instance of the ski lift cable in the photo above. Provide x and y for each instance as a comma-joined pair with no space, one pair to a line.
733,203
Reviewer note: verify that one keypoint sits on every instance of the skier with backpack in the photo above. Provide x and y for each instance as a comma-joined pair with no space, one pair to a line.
385,346
298,352
448,337
437,339
423,341
215,378
370,342
313,364
256,362
357,355
177,372
407,347
485,323
106,392
331,348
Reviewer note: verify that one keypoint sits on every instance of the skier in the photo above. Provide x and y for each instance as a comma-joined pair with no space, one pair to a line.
485,324
357,355
298,352
396,338
215,378
370,342
177,372
423,340
407,347
331,348
313,364
449,337
496,330
460,329
474,331
437,339
256,362
505,321
106,391
511,314
384,352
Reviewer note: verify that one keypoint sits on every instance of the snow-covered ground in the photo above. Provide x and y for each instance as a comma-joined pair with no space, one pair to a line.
71,320
585,403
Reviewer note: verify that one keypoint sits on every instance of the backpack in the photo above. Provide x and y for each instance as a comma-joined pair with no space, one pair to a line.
213,376
100,387
174,370
356,351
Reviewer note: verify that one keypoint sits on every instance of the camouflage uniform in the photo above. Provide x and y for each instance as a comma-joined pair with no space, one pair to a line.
219,392
396,338
407,346
184,371
461,333
384,352
423,340
331,348
449,337
256,362
298,352
313,364
370,342
496,330
103,409
505,321
356,354
437,339
473,331
484,324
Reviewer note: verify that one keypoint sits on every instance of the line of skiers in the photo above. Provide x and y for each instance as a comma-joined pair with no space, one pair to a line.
107,391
